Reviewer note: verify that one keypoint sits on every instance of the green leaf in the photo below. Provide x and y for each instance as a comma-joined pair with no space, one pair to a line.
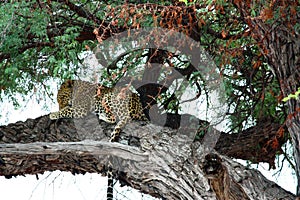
292,96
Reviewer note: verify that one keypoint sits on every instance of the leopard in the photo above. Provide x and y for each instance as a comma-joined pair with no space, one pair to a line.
117,105
77,98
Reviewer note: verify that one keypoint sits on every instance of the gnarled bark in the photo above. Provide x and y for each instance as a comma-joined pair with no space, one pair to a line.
163,162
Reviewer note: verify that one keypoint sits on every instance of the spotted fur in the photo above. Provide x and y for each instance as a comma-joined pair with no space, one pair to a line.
113,105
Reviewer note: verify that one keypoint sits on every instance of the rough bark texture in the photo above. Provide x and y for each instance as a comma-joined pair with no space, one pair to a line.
252,144
152,159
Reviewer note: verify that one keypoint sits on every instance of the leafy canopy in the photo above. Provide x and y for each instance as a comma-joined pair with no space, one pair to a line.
45,39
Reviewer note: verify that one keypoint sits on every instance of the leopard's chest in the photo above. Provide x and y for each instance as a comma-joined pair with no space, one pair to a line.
111,108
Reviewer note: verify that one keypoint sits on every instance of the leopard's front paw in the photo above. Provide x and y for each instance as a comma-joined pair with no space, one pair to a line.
54,115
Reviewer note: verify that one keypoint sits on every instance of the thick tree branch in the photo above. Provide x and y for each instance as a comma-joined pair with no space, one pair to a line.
260,143
163,159
80,11
26,47
160,159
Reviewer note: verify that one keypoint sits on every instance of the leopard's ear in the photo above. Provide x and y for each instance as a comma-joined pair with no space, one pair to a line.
69,83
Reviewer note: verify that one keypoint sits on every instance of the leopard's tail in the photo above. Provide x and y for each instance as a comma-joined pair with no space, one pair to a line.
110,184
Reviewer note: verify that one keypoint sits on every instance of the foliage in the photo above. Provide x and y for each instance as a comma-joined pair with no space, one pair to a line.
35,46
291,96
41,40
46,40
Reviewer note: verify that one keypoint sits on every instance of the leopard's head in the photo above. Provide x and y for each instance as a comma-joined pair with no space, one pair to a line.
64,95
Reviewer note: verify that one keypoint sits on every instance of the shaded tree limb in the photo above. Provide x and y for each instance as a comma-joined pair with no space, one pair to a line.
254,144
160,158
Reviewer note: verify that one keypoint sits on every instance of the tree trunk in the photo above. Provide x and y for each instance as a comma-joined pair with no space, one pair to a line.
155,160
279,42
281,46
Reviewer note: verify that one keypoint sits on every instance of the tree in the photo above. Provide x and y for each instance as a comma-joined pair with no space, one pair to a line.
259,66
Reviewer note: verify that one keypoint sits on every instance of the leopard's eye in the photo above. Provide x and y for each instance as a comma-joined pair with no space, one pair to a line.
69,103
